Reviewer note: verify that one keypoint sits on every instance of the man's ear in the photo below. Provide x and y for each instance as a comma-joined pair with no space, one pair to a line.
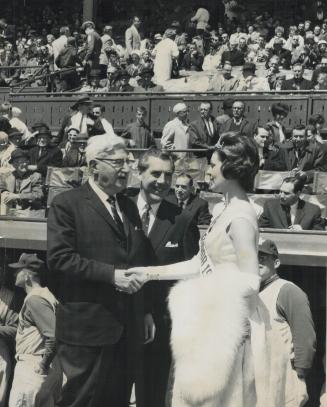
277,263
93,165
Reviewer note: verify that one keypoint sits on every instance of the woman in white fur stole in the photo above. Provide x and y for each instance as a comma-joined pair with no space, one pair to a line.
218,339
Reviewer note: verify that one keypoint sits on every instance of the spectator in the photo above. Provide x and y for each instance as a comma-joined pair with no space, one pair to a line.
145,83
5,150
261,52
68,58
225,81
147,60
75,155
317,120
297,82
321,80
303,155
272,156
175,134
111,82
38,376
204,132
238,123
228,111
135,67
21,188
233,55
190,202
279,32
212,60
289,211
15,137
192,60
98,112
289,319
280,112
59,44
321,68
285,56
250,82
201,18
121,82
107,44
165,54
138,133
132,36
93,47
44,155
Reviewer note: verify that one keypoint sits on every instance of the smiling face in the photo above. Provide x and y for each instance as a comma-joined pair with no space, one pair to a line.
214,175
156,179
183,188
111,171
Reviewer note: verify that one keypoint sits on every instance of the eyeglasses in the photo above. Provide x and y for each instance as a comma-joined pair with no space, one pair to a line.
118,163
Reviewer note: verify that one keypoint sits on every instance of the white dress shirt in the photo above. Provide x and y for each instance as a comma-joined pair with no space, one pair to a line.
142,206
103,198
293,210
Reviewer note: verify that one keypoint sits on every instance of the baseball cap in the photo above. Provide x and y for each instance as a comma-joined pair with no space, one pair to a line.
29,261
268,247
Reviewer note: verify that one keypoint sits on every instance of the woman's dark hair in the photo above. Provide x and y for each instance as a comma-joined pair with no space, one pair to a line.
240,159
279,108
316,118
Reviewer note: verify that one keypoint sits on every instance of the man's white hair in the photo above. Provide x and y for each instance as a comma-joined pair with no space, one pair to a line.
99,146
15,111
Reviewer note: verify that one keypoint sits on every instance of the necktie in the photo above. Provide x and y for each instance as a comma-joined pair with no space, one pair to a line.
288,215
146,218
181,204
118,221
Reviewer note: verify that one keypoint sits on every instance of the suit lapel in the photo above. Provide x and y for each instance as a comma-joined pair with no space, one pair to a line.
25,183
299,212
161,225
99,207
282,216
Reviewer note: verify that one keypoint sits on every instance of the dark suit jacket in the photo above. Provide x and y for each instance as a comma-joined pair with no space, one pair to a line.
197,207
93,48
174,237
246,127
274,216
200,137
289,84
84,248
51,157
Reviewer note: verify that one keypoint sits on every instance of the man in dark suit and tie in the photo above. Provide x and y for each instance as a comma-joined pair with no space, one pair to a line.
204,131
297,82
174,237
289,211
188,201
94,234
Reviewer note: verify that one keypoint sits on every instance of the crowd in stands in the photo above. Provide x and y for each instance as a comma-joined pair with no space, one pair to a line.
249,52
27,153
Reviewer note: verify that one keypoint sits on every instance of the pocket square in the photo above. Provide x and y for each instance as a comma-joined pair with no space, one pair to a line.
170,244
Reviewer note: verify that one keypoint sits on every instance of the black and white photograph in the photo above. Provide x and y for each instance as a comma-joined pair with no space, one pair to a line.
163,203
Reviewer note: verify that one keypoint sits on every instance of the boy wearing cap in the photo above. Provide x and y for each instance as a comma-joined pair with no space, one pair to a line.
289,332
37,377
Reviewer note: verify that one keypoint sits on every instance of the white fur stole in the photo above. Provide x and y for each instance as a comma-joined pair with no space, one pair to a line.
209,316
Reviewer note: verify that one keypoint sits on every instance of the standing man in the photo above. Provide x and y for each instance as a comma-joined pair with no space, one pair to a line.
174,237
132,36
94,233
166,52
175,134
204,131
93,48
60,43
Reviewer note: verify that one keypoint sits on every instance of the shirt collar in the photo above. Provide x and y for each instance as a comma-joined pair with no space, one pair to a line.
99,192
141,204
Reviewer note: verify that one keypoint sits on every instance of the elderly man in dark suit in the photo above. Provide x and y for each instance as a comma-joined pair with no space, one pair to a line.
289,211
238,122
297,82
43,154
203,132
188,201
94,234
174,237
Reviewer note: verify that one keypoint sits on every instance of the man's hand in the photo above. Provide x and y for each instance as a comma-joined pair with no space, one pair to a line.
129,284
10,197
295,227
149,329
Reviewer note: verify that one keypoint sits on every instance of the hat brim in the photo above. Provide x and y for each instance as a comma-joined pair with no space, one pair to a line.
16,265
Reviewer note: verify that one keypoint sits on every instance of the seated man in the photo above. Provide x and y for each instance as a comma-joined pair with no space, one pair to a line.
146,85
122,82
138,133
250,82
238,123
43,154
224,81
233,55
21,188
192,60
289,211
289,322
304,155
297,82
188,201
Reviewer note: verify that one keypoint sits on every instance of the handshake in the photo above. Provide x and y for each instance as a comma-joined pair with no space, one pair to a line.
132,280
